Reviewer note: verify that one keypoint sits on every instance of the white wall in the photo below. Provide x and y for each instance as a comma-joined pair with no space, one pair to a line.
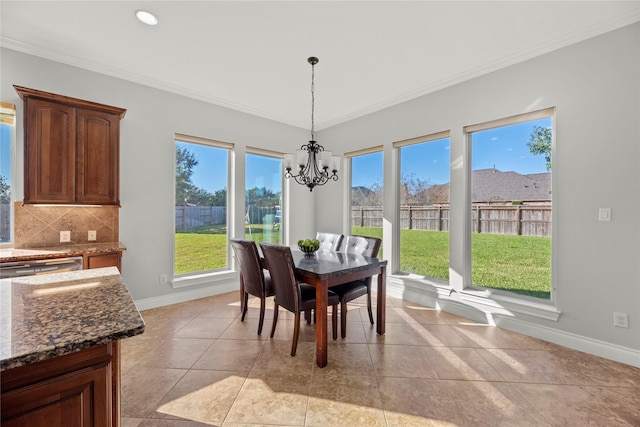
595,86
147,158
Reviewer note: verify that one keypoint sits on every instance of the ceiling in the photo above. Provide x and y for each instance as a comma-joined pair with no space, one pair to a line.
251,56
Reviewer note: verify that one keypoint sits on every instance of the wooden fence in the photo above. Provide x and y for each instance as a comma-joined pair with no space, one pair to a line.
520,220
5,222
188,217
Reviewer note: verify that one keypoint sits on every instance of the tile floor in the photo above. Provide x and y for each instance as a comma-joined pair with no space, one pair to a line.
198,365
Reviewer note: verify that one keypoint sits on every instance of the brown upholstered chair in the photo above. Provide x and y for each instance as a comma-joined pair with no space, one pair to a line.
252,275
291,294
329,241
358,245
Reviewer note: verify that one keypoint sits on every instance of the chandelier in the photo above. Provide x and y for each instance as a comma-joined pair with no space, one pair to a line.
315,165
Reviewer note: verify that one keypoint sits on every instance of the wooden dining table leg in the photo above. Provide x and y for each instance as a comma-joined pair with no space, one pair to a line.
381,300
321,322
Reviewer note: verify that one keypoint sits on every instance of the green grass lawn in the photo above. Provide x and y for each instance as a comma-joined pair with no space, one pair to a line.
205,248
520,264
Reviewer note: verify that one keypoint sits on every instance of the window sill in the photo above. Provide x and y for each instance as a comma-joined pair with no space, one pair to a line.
203,278
487,301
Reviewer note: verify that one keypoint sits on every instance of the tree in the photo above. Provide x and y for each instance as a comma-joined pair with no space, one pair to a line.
540,143
5,190
414,191
186,191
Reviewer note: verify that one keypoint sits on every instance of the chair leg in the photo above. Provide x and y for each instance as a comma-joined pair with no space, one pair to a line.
307,316
245,304
343,319
261,321
296,334
334,321
369,305
275,320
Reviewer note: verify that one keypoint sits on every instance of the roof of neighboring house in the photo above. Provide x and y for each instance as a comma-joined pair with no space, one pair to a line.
491,185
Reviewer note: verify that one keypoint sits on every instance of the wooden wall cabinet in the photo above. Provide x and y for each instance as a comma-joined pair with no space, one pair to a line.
71,150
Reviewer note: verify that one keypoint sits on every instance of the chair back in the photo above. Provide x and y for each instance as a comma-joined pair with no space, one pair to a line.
329,242
362,245
246,253
281,268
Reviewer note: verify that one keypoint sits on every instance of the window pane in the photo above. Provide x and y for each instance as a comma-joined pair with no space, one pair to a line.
263,215
366,195
424,209
5,183
201,208
511,208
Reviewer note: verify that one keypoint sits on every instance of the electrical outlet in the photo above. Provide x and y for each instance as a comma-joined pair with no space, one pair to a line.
92,235
65,236
163,279
621,320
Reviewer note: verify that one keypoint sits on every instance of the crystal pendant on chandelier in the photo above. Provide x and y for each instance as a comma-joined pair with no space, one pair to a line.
315,165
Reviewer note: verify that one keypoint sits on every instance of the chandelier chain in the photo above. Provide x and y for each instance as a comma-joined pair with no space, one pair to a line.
313,100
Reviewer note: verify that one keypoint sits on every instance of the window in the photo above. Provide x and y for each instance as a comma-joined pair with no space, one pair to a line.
202,181
7,127
263,181
424,205
366,193
511,204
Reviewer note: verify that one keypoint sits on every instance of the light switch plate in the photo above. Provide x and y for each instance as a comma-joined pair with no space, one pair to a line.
91,235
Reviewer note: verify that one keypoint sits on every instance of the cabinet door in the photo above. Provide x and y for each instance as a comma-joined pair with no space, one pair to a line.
97,144
80,399
50,153
103,260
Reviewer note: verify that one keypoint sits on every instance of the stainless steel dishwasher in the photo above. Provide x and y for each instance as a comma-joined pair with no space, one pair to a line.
12,269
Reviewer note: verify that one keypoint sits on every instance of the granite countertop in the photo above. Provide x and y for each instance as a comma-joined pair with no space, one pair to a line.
26,254
50,315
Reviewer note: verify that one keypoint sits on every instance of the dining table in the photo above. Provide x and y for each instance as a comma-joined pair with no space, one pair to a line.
324,269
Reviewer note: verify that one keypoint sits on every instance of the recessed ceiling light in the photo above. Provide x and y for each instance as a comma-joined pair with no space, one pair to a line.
146,17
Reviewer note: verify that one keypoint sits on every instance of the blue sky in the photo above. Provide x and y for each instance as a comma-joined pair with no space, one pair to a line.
5,152
503,148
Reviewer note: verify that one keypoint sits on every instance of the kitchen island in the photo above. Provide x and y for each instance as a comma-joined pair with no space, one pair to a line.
59,350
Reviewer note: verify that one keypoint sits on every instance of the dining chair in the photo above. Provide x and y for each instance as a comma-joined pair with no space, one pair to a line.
291,294
357,245
329,241
253,277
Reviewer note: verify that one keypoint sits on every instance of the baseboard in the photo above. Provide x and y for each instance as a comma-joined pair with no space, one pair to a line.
189,295
440,299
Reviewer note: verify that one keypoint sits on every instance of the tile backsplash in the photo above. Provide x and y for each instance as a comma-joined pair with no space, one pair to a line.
40,226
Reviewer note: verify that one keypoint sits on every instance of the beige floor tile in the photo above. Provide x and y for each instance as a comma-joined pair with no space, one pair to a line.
583,405
472,403
276,357
418,334
344,400
178,353
163,326
198,365
143,387
230,355
272,398
347,359
204,327
553,367
130,422
201,395
487,336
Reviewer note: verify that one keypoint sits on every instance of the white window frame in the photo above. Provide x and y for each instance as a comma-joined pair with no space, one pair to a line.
222,275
